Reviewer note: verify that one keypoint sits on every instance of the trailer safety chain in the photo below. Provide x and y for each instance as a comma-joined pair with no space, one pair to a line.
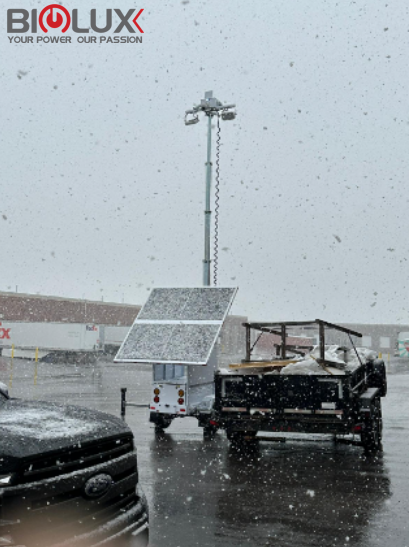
216,205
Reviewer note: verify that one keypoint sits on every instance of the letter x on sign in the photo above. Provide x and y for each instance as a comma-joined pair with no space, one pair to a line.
124,20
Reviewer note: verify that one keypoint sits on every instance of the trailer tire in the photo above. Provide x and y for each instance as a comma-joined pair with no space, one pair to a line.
371,436
162,423
234,437
241,437
209,432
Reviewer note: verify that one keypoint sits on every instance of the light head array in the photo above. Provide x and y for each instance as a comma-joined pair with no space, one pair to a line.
211,107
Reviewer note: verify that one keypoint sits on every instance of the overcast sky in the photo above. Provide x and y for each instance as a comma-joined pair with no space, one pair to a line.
102,184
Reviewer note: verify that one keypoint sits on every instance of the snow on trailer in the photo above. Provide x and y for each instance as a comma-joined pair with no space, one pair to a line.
177,332
328,389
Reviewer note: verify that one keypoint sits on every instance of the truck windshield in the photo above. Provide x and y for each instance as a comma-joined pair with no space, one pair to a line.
165,373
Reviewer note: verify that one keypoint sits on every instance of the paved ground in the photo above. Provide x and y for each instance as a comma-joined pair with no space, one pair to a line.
203,493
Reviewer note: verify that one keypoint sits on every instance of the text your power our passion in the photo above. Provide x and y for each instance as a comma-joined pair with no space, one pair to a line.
55,17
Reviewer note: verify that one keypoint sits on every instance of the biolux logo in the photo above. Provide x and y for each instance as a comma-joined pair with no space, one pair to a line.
58,18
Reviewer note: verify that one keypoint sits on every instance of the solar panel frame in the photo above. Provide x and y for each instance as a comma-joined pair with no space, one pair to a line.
172,335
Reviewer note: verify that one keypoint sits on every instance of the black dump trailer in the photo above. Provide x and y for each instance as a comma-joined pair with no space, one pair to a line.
259,396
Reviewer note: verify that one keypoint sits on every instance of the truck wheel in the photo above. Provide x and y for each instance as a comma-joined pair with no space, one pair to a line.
371,436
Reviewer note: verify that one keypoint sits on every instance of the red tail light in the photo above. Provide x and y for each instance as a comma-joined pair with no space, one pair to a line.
156,399
181,401
357,429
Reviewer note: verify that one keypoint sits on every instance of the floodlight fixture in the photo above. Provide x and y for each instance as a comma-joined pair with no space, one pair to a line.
228,115
212,107
191,121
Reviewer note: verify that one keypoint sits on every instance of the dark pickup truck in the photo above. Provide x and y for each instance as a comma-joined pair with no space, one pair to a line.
68,477
301,389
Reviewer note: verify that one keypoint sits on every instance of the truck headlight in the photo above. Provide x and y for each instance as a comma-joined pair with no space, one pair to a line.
6,480
6,541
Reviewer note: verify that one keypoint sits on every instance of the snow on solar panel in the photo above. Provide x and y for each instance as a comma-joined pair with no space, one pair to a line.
200,304
177,325
158,343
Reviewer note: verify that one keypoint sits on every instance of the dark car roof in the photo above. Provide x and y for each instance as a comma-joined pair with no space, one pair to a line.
30,428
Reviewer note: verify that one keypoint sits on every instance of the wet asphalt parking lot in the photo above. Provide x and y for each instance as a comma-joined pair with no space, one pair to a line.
207,494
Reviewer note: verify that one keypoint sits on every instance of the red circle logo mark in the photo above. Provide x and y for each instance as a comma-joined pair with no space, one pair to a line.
54,19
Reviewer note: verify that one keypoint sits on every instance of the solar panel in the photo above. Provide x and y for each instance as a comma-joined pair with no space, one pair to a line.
177,325
202,304
164,304
160,343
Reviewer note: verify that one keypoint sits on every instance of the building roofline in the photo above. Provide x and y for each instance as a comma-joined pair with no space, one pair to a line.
65,299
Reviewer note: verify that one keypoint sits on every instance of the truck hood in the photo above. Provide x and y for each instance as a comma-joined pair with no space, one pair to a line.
33,428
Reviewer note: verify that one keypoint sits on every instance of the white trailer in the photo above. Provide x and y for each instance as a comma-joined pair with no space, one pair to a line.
184,334
181,390
26,338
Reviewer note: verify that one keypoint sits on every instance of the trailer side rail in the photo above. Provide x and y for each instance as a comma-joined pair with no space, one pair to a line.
281,329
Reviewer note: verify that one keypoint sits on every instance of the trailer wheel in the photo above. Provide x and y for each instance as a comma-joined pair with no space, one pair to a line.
371,436
209,432
234,437
162,423
241,437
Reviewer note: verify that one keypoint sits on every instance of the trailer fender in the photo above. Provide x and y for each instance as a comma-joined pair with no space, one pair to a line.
367,399
377,378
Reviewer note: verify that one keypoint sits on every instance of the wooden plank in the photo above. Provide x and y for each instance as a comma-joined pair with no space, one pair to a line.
263,364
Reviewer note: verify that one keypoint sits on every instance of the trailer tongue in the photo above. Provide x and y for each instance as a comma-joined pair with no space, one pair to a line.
332,389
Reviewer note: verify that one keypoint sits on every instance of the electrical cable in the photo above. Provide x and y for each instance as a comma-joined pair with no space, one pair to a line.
216,206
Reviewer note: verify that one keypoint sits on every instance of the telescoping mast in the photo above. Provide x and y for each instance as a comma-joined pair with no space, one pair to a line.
212,108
